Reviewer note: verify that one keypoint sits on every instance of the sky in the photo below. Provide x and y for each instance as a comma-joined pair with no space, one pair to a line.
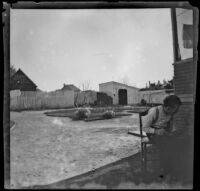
92,46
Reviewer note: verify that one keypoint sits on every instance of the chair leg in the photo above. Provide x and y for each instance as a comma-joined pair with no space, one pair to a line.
145,158
142,157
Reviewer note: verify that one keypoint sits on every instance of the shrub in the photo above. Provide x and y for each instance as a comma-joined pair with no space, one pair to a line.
108,114
143,102
82,113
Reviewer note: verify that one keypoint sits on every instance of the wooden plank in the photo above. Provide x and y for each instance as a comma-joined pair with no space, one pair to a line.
185,95
136,133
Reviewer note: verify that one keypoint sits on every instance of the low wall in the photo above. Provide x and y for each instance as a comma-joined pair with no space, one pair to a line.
154,96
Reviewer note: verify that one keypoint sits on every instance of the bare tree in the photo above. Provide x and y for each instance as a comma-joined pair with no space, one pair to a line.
12,70
76,99
86,85
164,82
124,80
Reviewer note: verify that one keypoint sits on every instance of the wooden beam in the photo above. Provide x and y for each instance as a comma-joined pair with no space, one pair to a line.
174,34
96,4
6,106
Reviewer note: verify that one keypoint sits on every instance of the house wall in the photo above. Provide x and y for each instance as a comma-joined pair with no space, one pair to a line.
40,100
184,88
185,74
112,90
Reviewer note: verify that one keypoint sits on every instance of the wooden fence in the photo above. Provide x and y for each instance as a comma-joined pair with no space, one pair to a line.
85,97
40,100
92,98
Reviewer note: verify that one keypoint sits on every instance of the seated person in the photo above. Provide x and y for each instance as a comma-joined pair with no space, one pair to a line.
158,125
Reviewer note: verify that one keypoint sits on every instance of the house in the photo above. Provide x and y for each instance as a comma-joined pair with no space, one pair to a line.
20,81
122,94
185,64
70,87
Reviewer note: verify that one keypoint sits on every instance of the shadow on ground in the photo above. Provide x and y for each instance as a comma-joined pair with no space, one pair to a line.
123,174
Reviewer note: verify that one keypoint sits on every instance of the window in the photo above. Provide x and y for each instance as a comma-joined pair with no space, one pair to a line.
184,19
187,36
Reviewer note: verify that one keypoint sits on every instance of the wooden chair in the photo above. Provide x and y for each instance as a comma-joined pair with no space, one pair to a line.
144,140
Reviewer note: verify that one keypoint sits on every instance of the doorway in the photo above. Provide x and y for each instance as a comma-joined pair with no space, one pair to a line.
122,93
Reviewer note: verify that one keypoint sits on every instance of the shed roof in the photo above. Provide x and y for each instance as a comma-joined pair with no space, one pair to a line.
117,83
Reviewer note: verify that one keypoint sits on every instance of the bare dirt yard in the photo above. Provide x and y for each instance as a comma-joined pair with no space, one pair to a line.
46,149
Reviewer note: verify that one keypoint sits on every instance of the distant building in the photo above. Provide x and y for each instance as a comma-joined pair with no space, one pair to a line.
122,94
20,81
70,87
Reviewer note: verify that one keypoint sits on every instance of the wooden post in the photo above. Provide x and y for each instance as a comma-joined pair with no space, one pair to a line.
175,35
6,106
140,119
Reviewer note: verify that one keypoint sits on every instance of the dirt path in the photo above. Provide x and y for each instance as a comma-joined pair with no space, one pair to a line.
48,149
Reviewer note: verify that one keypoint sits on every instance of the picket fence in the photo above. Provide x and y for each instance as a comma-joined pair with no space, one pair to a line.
40,100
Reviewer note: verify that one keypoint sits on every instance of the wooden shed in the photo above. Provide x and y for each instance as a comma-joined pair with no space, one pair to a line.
22,82
122,94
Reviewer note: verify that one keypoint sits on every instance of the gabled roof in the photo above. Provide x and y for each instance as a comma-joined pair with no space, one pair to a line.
117,83
70,87
22,73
